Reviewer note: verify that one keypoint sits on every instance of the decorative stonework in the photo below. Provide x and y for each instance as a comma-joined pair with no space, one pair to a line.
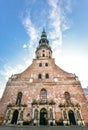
10,110
49,107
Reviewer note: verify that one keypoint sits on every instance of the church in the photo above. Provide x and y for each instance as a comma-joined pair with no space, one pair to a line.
44,94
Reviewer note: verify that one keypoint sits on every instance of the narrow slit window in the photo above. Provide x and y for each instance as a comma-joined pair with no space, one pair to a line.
40,76
40,64
47,76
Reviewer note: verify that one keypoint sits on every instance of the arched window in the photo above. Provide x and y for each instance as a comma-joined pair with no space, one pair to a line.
19,97
67,97
46,64
43,51
40,64
49,54
43,94
43,55
40,76
36,114
47,76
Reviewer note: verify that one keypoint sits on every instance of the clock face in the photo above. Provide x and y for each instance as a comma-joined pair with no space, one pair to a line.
55,79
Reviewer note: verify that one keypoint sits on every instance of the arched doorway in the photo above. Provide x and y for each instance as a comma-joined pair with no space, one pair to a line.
43,117
15,117
71,117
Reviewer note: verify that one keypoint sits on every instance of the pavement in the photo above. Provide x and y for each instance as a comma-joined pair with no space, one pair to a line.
15,127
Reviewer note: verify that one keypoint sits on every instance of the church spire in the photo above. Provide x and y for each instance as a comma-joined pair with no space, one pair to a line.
43,34
43,29
43,39
43,50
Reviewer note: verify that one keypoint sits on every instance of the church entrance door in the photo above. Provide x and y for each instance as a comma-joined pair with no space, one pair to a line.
71,117
15,117
43,117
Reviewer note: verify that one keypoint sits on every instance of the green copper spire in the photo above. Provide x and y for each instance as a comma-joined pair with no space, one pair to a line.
43,39
43,33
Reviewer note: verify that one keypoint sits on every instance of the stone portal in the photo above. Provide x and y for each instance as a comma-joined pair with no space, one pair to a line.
71,117
15,117
43,117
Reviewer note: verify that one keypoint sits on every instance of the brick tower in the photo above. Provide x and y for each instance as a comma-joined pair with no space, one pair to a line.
44,94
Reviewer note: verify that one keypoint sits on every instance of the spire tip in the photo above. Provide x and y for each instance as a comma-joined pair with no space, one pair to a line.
43,29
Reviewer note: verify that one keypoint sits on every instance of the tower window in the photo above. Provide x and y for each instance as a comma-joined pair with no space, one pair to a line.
47,76
43,55
46,64
43,50
40,64
49,54
39,76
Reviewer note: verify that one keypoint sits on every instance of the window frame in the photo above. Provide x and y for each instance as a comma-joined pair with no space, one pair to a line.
46,64
40,64
47,76
43,94
19,98
39,76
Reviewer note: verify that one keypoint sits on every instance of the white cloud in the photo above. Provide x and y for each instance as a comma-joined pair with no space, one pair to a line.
25,46
9,70
59,22
27,61
75,64
31,31
55,23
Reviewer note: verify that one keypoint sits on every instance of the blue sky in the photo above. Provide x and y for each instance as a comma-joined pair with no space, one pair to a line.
66,25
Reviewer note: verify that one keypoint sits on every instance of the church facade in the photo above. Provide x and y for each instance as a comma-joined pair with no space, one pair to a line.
44,94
